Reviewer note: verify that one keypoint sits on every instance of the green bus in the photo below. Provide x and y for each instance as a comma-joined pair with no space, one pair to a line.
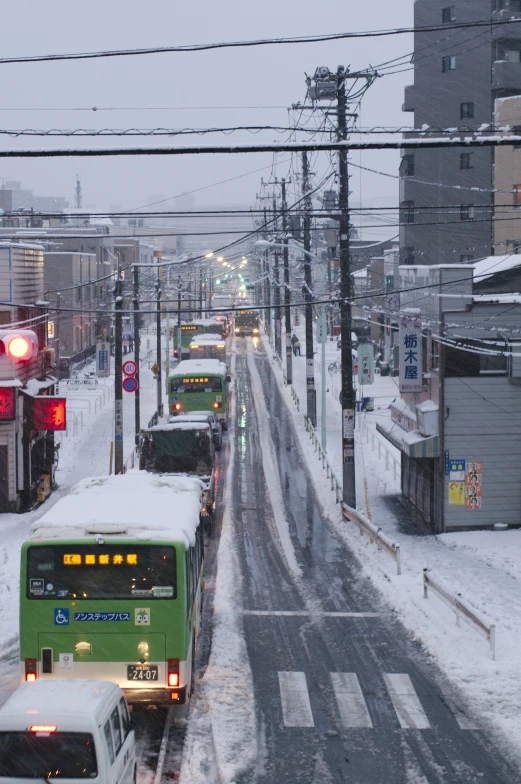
111,586
199,385
191,330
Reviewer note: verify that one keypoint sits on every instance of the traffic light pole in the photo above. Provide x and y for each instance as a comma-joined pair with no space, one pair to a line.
287,292
311,409
118,376
135,275
346,356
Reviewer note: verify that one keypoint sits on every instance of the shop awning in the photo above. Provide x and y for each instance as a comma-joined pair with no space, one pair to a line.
413,444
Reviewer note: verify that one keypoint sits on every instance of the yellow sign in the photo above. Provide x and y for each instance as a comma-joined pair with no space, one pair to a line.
456,493
155,368
89,559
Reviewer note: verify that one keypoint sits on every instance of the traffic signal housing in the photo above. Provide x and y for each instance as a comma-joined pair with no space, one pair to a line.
20,344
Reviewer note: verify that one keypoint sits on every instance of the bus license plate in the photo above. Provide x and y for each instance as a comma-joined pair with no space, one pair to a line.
137,672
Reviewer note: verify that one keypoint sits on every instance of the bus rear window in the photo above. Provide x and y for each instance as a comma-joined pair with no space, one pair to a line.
101,572
58,755
203,384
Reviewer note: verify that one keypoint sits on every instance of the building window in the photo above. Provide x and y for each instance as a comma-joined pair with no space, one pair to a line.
407,211
469,358
407,166
448,64
509,50
517,195
465,257
466,212
408,256
467,110
448,14
465,160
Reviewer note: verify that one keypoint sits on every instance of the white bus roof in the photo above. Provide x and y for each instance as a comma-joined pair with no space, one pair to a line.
211,322
207,367
138,504
62,703
208,337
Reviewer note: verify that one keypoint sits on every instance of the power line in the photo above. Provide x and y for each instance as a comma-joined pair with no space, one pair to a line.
253,43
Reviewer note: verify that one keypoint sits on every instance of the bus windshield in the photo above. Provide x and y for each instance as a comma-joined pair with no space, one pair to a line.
56,755
247,319
201,384
84,571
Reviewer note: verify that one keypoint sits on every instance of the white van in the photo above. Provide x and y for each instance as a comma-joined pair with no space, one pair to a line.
67,731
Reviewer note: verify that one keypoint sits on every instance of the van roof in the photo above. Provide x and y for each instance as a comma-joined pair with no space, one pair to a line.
56,701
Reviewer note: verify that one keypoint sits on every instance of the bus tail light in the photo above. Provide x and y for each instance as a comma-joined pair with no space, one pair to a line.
217,405
30,670
173,672
177,406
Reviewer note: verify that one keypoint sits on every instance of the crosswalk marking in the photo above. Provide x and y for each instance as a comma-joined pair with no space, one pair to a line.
405,701
350,700
305,614
296,708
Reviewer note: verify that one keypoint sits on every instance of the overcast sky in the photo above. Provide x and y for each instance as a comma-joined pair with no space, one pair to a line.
271,76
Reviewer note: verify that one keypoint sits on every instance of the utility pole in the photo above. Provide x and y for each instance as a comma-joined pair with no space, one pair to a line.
287,292
118,374
308,297
267,287
57,343
179,340
158,339
346,356
276,290
135,274
201,292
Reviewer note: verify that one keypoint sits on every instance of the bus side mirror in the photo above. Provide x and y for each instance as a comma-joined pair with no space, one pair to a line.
228,378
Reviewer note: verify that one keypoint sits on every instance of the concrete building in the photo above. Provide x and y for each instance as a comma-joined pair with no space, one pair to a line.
14,197
460,435
457,77
26,450
507,180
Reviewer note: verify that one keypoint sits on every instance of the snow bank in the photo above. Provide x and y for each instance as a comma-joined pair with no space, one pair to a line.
222,735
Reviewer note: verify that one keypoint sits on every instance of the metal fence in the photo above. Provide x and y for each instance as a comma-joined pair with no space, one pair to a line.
375,534
461,610
336,487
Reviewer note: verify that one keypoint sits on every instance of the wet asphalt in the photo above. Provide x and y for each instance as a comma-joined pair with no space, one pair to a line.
318,645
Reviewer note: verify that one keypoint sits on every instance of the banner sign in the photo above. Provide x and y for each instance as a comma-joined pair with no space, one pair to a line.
103,360
49,413
365,363
7,405
410,355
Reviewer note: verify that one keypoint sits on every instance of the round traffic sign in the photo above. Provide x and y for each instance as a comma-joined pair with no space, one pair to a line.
129,367
130,384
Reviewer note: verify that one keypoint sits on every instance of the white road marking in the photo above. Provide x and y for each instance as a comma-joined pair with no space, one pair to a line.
350,700
406,703
296,708
305,614
464,722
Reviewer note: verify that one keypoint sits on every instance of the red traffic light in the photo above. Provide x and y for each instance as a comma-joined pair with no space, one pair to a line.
21,344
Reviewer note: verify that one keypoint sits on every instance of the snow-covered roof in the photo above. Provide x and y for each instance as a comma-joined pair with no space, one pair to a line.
485,268
200,366
497,299
34,386
144,505
427,405
13,382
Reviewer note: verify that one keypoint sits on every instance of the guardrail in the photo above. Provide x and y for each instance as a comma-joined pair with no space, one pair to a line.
375,534
335,484
378,445
461,610
77,418
296,398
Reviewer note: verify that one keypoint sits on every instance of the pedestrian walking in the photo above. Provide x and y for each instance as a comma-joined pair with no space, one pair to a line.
295,344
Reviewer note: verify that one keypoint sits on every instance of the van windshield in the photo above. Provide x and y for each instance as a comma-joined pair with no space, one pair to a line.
57,755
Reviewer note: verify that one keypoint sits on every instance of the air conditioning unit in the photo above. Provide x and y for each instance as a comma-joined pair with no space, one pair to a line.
49,358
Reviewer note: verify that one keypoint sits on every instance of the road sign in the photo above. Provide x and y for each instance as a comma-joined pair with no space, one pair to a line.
129,367
155,368
103,360
321,330
130,384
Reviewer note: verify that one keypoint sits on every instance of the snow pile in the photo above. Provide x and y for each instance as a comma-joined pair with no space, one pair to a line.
221,737
159,505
